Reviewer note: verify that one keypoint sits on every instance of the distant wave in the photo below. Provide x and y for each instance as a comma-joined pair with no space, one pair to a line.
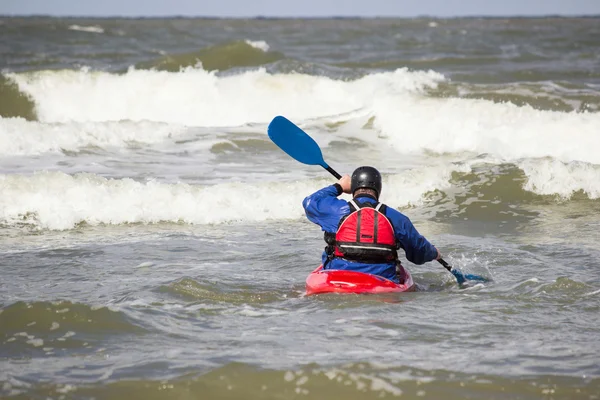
400,110
90,29
238,54
197,97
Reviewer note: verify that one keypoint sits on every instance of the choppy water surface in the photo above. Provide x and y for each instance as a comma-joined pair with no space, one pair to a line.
153,243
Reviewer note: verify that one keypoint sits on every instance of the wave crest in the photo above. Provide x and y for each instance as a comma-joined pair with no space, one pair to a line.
220,57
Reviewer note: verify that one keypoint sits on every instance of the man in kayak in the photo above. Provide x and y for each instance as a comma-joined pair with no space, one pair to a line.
362,234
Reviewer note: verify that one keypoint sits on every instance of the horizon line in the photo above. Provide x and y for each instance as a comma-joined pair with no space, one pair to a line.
263,17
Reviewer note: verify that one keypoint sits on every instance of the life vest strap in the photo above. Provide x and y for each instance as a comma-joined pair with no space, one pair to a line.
355,245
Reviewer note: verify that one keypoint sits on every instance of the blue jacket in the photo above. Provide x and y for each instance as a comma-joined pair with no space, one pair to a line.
326,210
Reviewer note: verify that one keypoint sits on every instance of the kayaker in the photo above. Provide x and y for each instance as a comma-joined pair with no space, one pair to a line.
363,234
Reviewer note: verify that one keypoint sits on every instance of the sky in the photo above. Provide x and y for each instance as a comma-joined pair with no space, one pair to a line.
299,8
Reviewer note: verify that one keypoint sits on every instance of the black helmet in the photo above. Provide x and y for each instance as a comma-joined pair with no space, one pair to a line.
366,177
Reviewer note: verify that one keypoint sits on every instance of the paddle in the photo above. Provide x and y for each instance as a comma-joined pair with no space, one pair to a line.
298,145
460,277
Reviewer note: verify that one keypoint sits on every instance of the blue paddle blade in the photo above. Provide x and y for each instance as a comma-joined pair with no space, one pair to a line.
295,142
462,278
472,277
458,275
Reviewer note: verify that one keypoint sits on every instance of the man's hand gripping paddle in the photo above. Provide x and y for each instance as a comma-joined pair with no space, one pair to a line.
301,147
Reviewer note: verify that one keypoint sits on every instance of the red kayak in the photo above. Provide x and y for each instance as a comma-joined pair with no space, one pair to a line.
342,281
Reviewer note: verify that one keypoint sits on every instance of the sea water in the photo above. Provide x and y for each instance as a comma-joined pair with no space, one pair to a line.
153,242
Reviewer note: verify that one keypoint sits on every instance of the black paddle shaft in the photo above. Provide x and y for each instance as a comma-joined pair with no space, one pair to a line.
333,172
445,264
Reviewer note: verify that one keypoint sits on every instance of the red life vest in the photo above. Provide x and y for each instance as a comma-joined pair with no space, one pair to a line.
366,235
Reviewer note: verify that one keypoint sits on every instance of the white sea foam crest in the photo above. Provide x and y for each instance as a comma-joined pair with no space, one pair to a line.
258,44
55,200
200,98
90,29
503,130
549,177
21,137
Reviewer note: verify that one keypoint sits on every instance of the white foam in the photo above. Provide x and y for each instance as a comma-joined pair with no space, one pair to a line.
557,151
504,130
197,97
54,200
592,293
21,137
258,44
90,29
547,177
36,342
408,187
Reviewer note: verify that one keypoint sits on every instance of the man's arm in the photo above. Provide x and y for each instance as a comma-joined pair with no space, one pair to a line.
324,208
418,249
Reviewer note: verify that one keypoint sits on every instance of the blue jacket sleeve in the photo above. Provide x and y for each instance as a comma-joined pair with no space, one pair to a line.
325,209
418,249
